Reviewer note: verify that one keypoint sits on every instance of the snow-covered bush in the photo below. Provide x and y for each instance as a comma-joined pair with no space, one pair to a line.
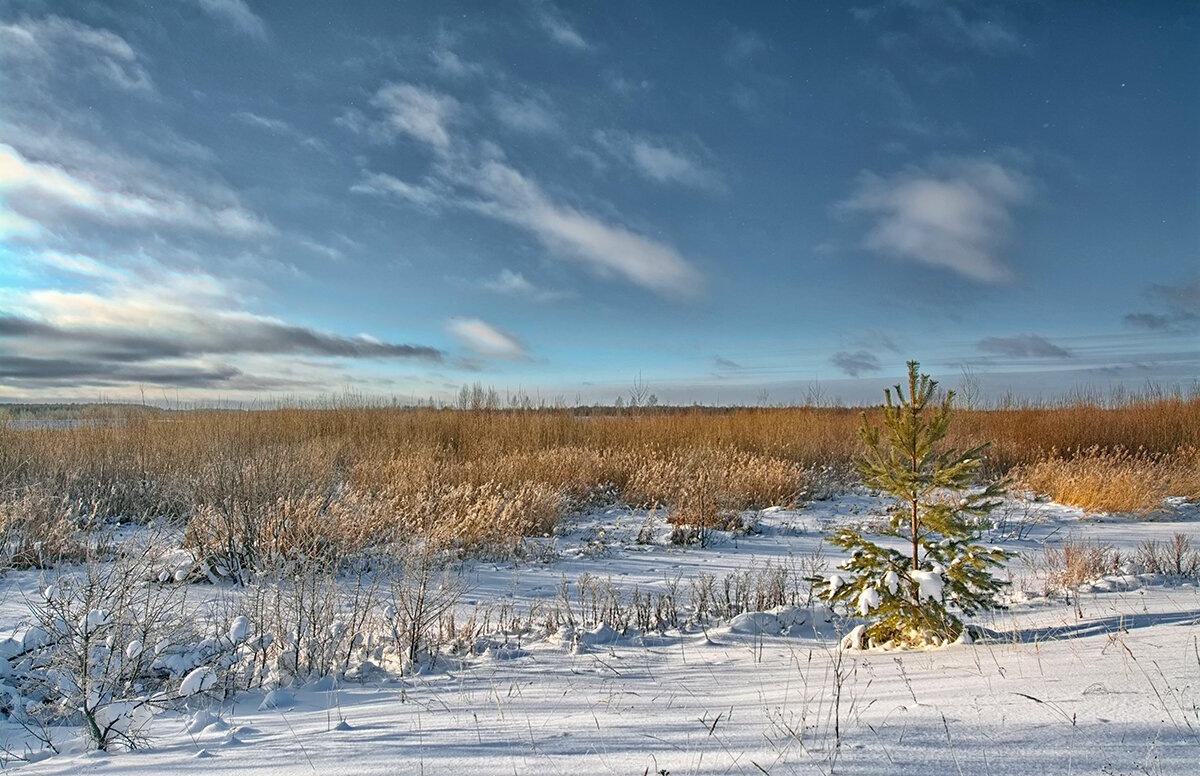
111,645
912,599
421,593
311,617
96,655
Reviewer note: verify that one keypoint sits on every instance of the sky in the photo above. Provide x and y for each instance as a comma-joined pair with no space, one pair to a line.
720,203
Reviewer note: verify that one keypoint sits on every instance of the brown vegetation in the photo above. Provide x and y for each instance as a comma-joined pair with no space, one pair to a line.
259,482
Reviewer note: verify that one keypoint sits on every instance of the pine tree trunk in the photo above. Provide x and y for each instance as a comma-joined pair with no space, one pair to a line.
916,544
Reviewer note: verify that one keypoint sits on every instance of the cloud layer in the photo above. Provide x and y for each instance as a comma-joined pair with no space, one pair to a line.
477,177
162,328
484,339
855,364
1178,309
1023,346
953,214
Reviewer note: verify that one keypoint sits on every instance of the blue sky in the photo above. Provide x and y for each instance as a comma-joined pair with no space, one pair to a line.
245,200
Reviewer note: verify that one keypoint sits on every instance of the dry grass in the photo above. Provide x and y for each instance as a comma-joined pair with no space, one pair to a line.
1117,480
263,482
38,529
1079,562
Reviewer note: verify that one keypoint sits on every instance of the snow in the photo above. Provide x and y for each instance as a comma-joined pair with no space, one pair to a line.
199,680
868,599
929,584
239,629
1107,683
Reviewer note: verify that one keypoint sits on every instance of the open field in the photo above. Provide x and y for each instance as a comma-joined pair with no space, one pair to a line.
500,475
380,591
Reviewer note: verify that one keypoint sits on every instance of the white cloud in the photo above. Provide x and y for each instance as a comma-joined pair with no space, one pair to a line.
605,249
237,14
497,190
667,166
744,45
35,49
526,115
550,19
512,283
477,178
383,184
954,214
452,65
420,113
41,192
262,122
662,161
281,128
967,24
486,340
13,225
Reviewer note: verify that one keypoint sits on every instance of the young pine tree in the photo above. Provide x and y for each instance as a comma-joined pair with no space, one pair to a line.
911,598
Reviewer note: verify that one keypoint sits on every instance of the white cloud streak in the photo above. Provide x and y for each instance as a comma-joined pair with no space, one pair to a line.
523,114
966,24
40,192
484,339
604,248
662,161
954,215
382,184
479,179
514,284
417,112
550,19
451,65
236,14
53,46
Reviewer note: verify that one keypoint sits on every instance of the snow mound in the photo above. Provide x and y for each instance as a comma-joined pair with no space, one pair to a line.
199,721
756,624
199,680
856,638
239,629
276,699
601,634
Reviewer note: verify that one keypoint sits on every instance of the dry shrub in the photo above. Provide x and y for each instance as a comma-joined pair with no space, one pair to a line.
449,503
1117,480
38,529
490,517
1175,558
575,471
707,488
1078,562
244,536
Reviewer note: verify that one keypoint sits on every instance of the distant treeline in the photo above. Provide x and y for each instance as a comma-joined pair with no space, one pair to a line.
90,411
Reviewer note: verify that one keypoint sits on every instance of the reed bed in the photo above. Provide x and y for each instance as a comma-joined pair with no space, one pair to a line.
253,484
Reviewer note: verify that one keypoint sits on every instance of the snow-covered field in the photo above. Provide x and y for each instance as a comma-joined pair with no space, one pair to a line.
1103,681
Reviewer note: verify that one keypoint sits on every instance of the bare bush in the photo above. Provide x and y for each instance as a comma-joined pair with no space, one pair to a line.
107,650
1174,558
1078,562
